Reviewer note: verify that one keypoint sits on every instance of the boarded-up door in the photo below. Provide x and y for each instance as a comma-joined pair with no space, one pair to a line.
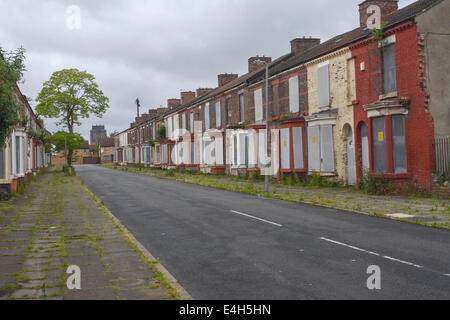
379,144
285,148
275,143
351,174
297,143
251,151
2,170
314,149
365,149
219,151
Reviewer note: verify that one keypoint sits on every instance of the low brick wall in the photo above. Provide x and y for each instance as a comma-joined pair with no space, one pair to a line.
441,191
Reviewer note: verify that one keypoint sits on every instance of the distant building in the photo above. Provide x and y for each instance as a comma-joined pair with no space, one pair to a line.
97,132
106,150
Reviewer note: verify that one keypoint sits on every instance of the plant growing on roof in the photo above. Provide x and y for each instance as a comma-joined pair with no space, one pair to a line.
11,71
378,34
71,95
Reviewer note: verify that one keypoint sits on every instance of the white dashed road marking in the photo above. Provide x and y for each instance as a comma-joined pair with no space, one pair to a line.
253,217
373,253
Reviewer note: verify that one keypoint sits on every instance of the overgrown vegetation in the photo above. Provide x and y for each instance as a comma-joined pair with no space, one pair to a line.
374,185
12,68
378,34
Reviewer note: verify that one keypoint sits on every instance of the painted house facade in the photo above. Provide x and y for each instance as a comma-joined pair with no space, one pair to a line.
22,156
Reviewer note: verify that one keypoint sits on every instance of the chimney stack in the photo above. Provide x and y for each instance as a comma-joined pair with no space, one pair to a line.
160,111
299,45
225,78
187,96
253,65
172,103
152,113
387,7
203,91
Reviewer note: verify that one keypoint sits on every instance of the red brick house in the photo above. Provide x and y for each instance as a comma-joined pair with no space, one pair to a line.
394,126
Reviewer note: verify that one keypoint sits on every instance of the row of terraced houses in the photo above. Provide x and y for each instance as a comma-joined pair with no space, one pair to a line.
344,108
23,154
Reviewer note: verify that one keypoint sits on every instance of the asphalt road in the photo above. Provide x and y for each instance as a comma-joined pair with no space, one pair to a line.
226,245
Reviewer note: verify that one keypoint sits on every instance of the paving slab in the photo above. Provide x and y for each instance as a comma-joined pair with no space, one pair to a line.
58,224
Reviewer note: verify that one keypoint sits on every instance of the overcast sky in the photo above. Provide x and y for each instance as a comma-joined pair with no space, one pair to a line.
155,49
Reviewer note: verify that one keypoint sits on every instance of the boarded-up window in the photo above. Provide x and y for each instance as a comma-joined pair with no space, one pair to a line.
262,149
389,74
147,153
207,116
242,107
379,144
235,150
2,170
218,115
294,95
192,152
399,144
246,138
183,120
297,143
165,154
258,105
285,148
323,85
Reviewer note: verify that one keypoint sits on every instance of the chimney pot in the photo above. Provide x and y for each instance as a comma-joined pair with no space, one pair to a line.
252,65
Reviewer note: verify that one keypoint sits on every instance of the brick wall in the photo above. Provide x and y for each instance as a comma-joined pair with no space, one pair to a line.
419,127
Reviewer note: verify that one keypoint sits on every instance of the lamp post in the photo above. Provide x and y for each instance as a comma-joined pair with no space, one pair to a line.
266,176
138,133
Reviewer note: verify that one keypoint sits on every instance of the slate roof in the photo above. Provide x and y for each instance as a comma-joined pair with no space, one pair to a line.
106,142
345,39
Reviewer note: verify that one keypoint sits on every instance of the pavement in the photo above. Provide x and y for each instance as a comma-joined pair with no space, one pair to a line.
57,224
227,245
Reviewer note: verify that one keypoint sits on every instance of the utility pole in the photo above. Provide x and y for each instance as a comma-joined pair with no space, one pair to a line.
138,133
266,176
267,166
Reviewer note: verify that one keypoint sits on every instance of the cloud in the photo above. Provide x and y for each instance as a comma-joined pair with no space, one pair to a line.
154,49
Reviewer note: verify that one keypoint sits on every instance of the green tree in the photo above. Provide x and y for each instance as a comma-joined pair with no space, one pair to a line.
11,71
73,141
113,134
69,96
